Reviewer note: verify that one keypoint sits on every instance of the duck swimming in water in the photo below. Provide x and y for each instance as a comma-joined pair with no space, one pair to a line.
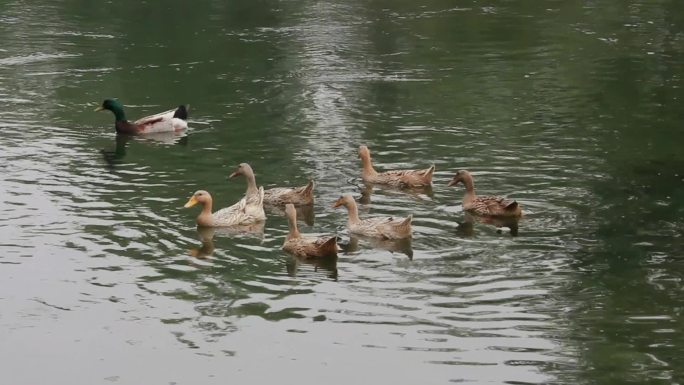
383,227
484,205
401,178
167,121
243,212
276,196
303,246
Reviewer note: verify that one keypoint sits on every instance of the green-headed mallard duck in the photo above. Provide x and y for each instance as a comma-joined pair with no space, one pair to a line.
167,121
306,247
243,212
484,205
383,227
276,196
402,178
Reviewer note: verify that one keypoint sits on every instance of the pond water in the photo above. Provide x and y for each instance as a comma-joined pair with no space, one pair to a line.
571,108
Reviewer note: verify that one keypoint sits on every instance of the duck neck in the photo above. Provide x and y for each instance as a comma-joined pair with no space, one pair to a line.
294,231
119,114
367,165
251,182
205,218
353,211
470,189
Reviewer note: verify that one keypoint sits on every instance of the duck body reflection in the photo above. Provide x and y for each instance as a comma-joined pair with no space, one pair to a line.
401,246
467,227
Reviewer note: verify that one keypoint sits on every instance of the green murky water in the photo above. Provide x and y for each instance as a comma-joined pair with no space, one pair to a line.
572,108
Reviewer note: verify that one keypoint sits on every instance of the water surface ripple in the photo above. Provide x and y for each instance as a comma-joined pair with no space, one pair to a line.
103,266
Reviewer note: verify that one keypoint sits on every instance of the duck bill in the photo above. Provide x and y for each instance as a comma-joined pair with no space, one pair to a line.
234,174
452,182
337,204
100,108
191,202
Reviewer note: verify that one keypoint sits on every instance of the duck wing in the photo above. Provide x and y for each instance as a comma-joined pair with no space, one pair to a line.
167,121
302,195
232,215
254,205
493,205
396,228
408,178
152,119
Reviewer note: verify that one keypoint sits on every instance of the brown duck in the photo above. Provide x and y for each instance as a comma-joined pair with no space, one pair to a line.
277,196
242,213
306,247
484,205
382,227
402,178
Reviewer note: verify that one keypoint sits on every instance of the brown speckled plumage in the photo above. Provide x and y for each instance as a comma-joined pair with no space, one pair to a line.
383,227
298,196
276,196
484,205
401,178
307,247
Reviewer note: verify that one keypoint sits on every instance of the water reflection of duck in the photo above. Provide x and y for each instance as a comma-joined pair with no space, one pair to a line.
114,157
206,237
403,178
306,247
304,213
402,246
493,206
382,227
206,249
167,121
467,228
417,192
329,265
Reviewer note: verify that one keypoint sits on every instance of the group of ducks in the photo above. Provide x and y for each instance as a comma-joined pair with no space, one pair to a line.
250,209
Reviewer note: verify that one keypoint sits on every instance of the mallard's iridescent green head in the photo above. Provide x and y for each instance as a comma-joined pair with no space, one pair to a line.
114,106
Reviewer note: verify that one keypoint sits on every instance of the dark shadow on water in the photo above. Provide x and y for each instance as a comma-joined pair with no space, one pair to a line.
304,213
115,156
418,193
467,227
206,237
206,248
326,266
402,246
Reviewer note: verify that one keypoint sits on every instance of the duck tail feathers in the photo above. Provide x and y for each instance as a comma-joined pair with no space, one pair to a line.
308,189
513,205
330,246
429,172
406,222
182,112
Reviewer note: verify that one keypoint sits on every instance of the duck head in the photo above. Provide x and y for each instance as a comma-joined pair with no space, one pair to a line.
199,196
460,177
113,105
344,200
242,169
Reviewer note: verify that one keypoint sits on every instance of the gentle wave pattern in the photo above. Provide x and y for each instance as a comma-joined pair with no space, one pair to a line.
557,106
